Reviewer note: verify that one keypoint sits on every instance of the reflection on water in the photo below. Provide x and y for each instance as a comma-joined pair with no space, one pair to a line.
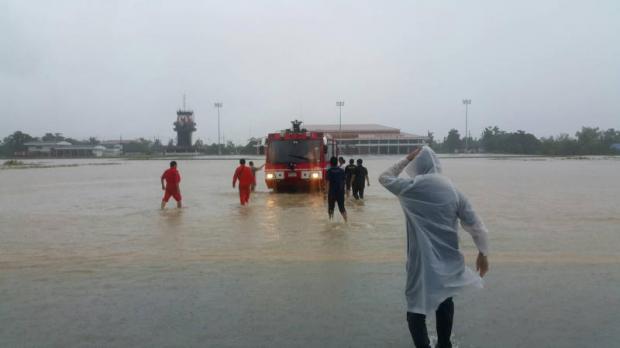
98,234
68,213
116,212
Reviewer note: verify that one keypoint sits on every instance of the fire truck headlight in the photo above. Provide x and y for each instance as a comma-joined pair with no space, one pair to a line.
315,175
269,176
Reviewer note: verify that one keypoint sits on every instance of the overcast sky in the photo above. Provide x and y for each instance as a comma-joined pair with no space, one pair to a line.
110,68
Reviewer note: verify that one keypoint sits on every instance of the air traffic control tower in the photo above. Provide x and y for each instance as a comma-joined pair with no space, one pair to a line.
184,126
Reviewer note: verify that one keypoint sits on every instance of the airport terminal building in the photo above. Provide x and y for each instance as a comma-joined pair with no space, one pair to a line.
370,139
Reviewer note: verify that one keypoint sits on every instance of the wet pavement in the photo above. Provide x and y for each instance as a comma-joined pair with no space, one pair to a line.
87,259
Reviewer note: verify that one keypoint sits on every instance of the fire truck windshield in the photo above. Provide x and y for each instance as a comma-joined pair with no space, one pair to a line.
295,151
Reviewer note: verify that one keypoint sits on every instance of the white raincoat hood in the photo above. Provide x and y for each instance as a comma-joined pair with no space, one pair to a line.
426,162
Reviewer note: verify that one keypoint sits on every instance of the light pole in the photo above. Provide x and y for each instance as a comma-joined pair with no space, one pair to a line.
218,106
340,104
466,102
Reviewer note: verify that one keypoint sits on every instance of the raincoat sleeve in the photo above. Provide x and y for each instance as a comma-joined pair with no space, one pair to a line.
390,180
473,224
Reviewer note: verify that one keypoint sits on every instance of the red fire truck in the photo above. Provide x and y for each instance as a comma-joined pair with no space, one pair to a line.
296,159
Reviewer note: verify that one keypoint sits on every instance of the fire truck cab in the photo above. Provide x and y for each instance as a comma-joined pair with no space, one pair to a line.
296,159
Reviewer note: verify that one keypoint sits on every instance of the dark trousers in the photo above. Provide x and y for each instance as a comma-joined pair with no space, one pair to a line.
358,190
332,199
444,316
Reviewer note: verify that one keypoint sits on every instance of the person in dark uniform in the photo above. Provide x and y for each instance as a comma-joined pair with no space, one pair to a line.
348,174
335,189
359,178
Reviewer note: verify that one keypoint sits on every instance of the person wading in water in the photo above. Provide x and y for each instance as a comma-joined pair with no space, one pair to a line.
245,177
254,171
348,174
335,189
171,188
359,179
436,268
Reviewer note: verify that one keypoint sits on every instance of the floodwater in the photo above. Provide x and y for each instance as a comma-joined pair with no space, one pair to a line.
88,259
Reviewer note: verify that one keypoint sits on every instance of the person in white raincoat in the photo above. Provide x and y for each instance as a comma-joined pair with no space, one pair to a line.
436,268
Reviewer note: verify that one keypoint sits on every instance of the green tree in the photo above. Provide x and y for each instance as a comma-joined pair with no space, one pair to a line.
590,141
53,137
15,142
251,147
211,149
490,139
566,145
157,146
431,141
229,149
139,146
453,141
587,141
611,136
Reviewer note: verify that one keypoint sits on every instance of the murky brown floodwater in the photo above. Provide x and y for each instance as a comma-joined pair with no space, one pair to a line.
87,259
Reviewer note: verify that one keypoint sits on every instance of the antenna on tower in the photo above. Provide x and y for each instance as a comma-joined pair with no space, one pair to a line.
183,101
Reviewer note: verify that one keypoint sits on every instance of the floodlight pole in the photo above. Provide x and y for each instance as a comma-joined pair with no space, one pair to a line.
466,102
218,106
340,104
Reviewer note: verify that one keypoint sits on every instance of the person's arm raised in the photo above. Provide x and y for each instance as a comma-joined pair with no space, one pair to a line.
389,178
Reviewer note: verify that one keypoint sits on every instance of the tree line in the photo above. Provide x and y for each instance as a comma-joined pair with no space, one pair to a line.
587,141
15,144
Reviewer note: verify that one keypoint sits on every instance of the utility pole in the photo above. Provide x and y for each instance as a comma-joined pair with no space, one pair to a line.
218,105
466,102
340,104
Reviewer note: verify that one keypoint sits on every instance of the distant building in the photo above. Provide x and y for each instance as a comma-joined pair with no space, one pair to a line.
113,142
44,148
370,139
615,147
66,149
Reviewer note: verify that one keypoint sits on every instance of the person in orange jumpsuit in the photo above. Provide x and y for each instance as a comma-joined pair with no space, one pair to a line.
172,178
245,177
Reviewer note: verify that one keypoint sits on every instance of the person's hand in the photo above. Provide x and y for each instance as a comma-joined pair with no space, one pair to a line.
368,184
414,153
482,264
233,185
